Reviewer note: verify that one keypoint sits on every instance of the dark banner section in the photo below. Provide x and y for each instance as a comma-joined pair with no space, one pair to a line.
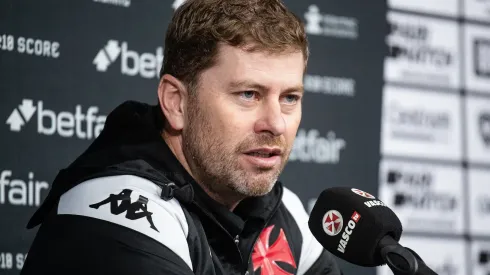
338,140
64,65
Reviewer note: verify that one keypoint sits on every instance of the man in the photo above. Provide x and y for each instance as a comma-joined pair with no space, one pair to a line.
190,186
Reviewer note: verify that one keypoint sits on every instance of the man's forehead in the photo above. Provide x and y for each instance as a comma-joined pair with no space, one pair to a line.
248,53
239,68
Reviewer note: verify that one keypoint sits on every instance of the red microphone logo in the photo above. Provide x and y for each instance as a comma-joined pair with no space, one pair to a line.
362,193
355,216
332,222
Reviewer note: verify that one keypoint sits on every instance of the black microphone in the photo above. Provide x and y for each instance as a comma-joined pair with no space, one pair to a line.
355,226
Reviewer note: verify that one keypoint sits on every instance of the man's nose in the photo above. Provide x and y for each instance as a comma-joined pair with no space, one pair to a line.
271,119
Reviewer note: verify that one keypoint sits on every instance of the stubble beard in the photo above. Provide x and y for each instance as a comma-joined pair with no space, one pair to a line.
215,165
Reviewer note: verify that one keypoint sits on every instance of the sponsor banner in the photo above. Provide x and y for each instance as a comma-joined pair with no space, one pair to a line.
120,3
477,58
479,201
322,23
425,197
480,257
312,147
33,46
438,7
422,51
129,62
477,10
79,122
330,85
422,124
22,190
11,261
478,129
443,256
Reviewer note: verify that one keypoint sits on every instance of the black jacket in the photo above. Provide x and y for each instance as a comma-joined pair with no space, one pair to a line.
127,206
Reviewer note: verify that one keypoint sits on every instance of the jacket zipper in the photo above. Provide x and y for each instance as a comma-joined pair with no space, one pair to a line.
265,225
201,209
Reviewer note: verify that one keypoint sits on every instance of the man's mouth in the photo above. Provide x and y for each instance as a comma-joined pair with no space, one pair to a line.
264,158
260,155
264,152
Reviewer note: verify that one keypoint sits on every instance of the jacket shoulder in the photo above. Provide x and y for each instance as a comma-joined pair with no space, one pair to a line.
131,202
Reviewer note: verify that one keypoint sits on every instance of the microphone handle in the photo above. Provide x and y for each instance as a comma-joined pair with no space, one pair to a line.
402,260
423,268
397,257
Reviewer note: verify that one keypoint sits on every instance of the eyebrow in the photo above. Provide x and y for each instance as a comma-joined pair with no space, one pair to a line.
258,86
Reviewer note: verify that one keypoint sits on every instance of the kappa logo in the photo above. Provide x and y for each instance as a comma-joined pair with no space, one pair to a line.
134,210
266,256
65,124
332,222
484,123
146,65
362,193
329,24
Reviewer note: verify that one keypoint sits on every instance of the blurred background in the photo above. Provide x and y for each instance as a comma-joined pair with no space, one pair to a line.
397,104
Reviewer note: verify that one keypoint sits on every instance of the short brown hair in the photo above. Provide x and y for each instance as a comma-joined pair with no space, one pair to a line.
199,26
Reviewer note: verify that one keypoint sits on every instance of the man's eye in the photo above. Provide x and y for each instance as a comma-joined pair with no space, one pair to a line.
248,94
291,98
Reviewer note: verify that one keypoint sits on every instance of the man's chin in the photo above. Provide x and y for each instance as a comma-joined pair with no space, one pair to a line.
259,185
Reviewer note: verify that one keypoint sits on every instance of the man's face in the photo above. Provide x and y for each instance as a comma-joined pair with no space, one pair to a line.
241,125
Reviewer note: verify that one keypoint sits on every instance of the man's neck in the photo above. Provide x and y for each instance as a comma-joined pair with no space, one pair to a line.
228,199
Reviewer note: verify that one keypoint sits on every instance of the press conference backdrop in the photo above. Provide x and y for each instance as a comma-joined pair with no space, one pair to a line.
397,104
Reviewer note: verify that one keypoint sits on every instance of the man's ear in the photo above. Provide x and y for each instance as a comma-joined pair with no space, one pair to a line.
172,96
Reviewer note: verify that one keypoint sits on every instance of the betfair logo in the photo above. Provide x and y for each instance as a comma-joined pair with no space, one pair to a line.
83,125
19,192
146,65
21,115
